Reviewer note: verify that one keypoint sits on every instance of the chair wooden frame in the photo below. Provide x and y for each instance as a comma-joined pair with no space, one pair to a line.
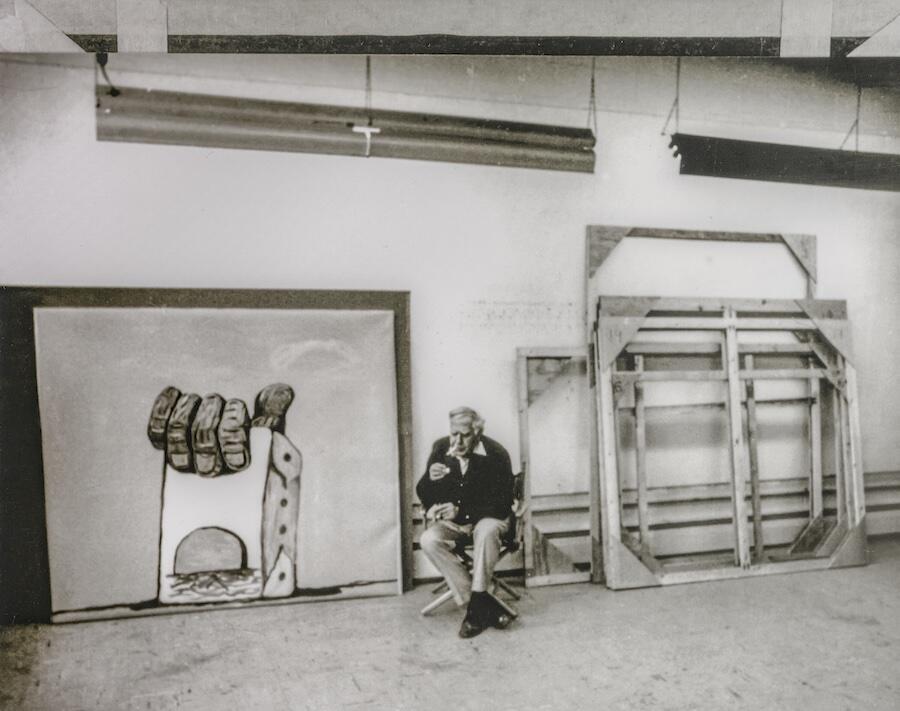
507,547
445,594
821,334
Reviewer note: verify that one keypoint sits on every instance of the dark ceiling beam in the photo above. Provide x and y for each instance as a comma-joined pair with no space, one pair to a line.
760,46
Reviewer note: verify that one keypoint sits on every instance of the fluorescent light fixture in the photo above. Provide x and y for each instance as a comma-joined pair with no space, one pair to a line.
752,160
145,116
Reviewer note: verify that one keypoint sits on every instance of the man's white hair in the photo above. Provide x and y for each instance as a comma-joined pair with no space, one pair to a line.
467,414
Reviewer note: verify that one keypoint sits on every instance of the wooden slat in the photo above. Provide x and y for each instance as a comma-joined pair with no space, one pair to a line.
640,448
522,394
846,463
753,452
686,408
699,513
739,463
839,472
815,448
882,479
783,374
688,323
700,492
743,307
598,572
704,235
855,440
536,558
622,305
712,348
559,579
708,574
566,528
652,348
541,503
798,349
610,518
629,376
876,499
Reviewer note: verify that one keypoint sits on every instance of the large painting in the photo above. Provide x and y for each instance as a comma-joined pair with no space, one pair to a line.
218,456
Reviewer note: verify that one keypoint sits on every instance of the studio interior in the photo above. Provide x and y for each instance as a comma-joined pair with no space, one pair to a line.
292,294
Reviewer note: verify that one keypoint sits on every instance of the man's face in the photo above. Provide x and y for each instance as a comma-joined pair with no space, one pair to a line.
462,437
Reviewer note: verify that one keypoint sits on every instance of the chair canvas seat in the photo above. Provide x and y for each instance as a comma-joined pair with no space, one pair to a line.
509,544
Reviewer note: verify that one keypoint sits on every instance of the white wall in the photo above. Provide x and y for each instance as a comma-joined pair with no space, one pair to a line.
493,256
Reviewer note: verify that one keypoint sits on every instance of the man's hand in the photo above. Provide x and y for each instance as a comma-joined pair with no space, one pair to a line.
443,512
438,471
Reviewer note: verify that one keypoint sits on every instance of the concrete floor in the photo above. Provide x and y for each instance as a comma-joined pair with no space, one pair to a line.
827,640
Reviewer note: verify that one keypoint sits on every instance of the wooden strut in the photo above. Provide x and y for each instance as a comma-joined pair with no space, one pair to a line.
522,368
611,518
839,470
815,448
739,464
753,450
846,463
640,450
684,408
855,441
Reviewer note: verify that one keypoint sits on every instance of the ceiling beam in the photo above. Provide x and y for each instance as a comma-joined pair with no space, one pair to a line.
754,28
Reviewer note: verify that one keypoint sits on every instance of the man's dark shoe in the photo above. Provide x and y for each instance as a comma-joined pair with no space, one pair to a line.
478,615
469,629
502,621
493,613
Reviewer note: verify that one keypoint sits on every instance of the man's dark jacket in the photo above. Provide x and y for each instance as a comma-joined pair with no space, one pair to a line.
486,489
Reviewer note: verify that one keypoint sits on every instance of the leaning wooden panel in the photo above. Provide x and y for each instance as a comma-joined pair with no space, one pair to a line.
634,349
553,434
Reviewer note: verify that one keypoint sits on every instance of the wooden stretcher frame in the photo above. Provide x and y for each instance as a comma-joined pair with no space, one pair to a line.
822,336
536,574
601,240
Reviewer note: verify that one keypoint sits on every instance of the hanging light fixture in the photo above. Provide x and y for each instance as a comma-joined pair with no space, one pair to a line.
144,116
784,163
753,160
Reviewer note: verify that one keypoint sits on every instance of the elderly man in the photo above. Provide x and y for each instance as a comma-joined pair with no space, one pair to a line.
467,492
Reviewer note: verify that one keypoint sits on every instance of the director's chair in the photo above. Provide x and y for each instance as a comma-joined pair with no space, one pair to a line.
510,543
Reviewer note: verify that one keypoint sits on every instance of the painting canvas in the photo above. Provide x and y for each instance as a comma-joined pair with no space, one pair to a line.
198,456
